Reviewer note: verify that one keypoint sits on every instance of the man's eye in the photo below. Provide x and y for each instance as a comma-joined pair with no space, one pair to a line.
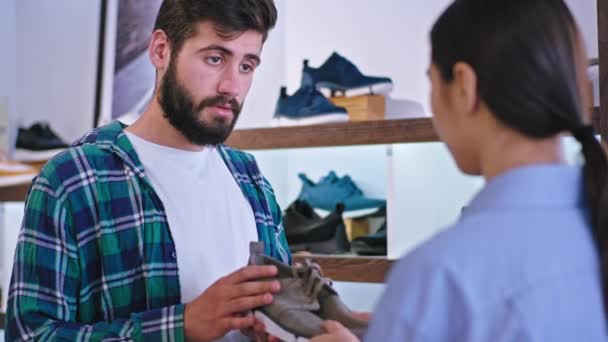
214,60
246,68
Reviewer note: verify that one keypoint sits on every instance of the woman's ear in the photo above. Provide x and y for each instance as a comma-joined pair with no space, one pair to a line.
464,87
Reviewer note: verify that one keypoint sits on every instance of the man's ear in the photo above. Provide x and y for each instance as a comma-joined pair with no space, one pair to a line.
160,50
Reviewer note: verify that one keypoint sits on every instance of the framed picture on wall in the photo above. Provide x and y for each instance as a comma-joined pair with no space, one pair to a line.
125,81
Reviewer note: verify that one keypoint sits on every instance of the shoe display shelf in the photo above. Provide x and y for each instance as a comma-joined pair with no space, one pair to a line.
351,268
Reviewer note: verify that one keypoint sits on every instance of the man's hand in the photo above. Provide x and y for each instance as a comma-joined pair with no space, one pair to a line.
257,333
220,308
335,333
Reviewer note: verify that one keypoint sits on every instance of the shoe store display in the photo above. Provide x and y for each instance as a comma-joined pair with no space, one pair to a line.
331,190
305,301
373,244
12,173
338,74
38,143
307,106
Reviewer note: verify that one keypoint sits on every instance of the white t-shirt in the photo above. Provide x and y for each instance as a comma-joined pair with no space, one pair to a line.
210,219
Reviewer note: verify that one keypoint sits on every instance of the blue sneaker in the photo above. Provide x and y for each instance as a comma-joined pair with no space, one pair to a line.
332,190
307,106
338,74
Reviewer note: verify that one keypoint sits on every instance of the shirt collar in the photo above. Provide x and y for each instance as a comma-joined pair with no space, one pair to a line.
537,186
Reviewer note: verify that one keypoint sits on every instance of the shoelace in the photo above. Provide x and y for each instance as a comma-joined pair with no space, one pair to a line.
312,276
348,183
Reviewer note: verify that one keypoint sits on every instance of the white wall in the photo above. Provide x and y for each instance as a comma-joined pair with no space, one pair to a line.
585,13
57,44
8,61
8,36
8,57
428,193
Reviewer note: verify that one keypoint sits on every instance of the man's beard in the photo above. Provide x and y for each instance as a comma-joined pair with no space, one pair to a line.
183,114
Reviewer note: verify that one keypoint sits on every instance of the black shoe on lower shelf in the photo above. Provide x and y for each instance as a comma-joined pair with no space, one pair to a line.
373,244
300,220
314,234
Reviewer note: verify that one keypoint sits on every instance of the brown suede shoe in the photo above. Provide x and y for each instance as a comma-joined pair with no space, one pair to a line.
305,301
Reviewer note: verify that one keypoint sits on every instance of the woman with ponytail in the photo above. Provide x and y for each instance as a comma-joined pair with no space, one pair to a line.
528,258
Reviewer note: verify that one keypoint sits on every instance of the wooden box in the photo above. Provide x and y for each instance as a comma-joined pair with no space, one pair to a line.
356,228
362,108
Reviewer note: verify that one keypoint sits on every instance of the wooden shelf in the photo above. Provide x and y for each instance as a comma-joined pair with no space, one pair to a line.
344,134
340,134
351,268
14,193
18,192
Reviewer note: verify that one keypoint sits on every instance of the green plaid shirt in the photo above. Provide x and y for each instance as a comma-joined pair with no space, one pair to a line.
95,258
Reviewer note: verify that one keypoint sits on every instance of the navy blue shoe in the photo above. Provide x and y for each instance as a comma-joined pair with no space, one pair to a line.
338,74
373,244
332,190
306,107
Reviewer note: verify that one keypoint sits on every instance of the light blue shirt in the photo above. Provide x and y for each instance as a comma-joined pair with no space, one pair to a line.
519,265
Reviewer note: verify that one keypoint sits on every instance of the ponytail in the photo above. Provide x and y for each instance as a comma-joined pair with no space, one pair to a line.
595,173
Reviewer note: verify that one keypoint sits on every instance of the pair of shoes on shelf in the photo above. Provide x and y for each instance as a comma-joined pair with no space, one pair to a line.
332,190
308,106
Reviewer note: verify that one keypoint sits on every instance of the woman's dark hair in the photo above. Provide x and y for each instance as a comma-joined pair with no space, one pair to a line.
525,56
178,18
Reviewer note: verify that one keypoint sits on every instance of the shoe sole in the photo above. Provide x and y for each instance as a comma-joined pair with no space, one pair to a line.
6,181
23,155
369,251
276,330
349,213
284,121
374,89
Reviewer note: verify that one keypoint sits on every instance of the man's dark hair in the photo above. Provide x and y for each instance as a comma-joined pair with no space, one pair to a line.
178,18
